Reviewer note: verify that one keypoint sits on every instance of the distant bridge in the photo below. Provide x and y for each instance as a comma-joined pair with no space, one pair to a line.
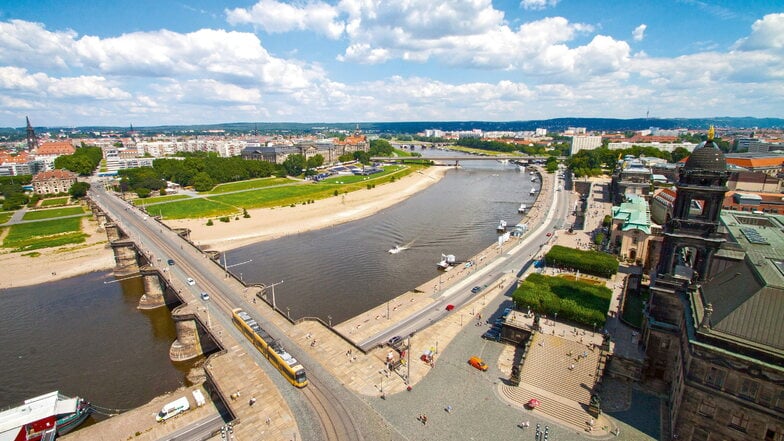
457,159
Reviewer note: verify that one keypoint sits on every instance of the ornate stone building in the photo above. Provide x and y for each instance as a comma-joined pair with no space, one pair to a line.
53,181
712,329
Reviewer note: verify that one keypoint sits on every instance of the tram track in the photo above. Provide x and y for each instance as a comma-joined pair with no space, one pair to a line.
334,418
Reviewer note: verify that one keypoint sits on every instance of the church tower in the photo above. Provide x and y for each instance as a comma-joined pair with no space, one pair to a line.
692,236
691,239
32,140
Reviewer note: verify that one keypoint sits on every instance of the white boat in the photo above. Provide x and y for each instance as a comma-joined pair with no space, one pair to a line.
533,179
521,168
446,262
396,249
174,408
501,226
533,191
522,208
43,418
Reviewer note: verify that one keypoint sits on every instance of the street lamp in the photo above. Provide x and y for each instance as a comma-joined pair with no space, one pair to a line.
288,312
329,318
594,328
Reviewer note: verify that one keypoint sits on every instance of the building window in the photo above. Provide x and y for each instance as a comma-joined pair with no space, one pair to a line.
774,435
739,422
780,400
707,409
715,378
749,389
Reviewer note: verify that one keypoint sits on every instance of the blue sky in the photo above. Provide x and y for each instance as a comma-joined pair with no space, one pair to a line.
77,62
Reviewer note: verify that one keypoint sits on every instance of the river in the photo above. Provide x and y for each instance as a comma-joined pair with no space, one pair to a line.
85,337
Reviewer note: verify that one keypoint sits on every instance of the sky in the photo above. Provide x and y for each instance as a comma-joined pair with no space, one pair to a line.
158,62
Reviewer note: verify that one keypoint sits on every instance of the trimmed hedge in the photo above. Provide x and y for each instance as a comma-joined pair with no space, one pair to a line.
573,301
587,262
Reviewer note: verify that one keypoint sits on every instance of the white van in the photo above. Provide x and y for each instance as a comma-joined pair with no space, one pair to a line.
174,408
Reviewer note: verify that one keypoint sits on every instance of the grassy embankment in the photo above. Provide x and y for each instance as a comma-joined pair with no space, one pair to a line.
269,193
5,216
45,234
54,202
53,213
160,199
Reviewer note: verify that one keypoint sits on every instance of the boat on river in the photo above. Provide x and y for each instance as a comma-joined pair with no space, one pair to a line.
396,249
447,261
501,226
533,192
43,418
522,208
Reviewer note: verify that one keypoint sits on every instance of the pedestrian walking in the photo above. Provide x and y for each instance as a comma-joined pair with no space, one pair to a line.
252,401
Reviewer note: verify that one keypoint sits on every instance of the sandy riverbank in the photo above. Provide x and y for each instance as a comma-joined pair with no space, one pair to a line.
272,223
50,264
264,224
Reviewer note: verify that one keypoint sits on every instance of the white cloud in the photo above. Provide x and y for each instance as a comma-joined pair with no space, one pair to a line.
639,32
767,33
18,80
273,16
538,4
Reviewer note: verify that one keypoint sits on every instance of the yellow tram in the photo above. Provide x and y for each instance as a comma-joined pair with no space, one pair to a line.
270,348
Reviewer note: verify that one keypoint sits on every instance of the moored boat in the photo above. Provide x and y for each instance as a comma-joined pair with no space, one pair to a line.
446,262
522,208
43,418
501,226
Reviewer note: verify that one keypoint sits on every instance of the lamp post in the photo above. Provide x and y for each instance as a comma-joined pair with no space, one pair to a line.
594,328
288,312
329,319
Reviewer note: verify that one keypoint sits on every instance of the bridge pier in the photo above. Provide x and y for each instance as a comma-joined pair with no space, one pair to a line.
125,257
187,345
153,291
113,232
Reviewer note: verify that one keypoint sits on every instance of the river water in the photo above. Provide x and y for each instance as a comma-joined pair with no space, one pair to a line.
342,271
84,337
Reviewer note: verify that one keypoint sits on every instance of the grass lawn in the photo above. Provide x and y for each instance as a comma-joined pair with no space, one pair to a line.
52,213
5,216
159,199
37,235
249,185
192,208
275,196
55,201
278,196
371,179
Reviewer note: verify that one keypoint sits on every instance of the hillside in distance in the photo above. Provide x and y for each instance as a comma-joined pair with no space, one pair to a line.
412,127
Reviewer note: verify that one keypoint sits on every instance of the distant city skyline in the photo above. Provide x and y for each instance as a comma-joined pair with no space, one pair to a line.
160,62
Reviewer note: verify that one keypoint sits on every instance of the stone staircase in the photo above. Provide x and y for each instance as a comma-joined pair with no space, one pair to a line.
565,411
547,375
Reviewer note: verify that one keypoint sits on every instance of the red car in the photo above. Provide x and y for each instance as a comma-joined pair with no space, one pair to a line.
549,234
450,307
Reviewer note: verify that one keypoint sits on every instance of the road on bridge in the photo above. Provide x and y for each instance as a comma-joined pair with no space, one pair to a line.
324,400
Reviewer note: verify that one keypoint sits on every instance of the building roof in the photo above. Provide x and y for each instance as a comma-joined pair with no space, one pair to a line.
706,156
756,161
634,213
747,297
53,174
55,148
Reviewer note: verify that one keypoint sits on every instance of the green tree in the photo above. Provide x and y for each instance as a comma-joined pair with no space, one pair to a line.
679,153
203,182
79,190
551,165
294,164
315,161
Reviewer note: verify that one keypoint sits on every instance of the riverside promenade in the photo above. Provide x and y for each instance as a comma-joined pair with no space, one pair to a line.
366,373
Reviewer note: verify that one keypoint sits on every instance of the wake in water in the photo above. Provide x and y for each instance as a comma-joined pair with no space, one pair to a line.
399,248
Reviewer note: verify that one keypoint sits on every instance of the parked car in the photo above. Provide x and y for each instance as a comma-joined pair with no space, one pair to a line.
477,363
170,261
394,340
476,289
205,296
191,282
492,334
